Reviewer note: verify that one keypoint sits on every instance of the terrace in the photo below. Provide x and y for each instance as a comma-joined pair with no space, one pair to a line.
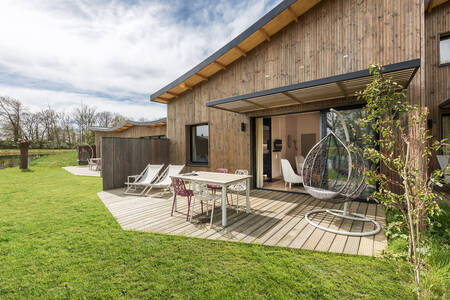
276,219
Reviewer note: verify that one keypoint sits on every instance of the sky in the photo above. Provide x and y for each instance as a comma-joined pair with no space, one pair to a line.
111,54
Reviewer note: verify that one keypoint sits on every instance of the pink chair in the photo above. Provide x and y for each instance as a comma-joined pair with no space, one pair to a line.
180,189
214,187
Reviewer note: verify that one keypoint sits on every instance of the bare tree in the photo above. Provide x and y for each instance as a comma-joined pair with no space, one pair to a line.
11,111
104,119
84,117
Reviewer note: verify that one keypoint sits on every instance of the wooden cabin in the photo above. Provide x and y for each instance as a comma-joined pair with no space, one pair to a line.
277,80
130,129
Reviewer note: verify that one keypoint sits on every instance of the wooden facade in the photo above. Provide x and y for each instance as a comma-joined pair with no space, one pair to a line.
331,38
134,131
437,83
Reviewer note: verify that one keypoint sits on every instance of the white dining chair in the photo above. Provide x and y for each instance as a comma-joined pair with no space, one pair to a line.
203,194
238,188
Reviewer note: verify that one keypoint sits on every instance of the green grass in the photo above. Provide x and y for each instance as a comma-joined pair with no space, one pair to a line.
57,240
436,250
6,152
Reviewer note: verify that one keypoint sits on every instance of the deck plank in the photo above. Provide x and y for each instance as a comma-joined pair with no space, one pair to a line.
276,219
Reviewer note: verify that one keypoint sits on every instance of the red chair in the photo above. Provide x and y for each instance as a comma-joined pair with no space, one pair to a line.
214,187
180,189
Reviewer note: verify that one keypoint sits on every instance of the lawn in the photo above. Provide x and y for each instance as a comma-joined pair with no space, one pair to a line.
57,240
6,152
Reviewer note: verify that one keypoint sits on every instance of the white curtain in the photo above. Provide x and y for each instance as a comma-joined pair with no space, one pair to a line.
259,153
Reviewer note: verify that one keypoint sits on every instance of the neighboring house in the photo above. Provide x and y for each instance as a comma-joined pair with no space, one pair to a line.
130,129
266,94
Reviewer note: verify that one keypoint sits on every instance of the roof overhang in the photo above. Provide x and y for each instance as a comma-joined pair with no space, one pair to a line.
130,123
334,87
261,31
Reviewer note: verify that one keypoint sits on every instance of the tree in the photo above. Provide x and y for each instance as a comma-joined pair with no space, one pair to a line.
84,117
104,119
11,111
402,152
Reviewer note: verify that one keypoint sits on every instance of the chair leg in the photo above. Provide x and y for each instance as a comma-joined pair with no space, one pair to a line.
201,205
173,203
290,185
237,202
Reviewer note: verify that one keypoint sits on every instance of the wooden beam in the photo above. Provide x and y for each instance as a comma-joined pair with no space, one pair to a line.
162,100
254,103
292,14
341,86
204,78
223,67
430,6
265,34
240,50
186,86
172,94
290,96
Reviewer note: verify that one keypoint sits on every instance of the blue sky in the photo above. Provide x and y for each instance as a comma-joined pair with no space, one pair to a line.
111,54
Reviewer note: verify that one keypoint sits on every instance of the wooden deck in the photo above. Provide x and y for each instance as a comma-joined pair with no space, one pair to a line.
276,219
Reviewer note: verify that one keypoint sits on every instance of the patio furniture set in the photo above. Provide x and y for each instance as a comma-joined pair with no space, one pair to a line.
203,187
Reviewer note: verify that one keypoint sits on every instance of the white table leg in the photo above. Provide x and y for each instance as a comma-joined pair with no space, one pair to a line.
247,195
173,199
224,205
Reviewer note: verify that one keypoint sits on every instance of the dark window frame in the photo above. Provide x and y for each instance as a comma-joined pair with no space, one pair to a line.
442,115
445,36
189,149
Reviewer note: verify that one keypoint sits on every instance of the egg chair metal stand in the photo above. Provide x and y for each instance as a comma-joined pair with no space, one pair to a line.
333,172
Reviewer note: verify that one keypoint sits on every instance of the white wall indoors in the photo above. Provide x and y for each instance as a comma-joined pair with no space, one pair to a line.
292,125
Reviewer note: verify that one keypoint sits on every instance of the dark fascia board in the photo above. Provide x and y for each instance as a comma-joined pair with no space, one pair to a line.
415,63
249,31
135,123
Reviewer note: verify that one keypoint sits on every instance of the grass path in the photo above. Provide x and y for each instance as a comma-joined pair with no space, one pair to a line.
57,240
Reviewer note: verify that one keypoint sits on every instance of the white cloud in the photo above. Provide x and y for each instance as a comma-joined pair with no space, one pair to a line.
83,48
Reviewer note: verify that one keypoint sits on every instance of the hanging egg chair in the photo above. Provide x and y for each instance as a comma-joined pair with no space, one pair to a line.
332,172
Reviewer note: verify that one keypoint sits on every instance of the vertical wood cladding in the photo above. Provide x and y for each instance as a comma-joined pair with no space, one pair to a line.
133,132
437,86
334,37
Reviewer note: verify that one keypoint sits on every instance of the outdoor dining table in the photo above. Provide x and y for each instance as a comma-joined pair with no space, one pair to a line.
223,180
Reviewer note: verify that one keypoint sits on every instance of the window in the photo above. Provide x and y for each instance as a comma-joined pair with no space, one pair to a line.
199,136
445,131
444,49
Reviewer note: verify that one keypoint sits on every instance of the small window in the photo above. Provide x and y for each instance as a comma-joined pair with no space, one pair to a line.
199,137
444,50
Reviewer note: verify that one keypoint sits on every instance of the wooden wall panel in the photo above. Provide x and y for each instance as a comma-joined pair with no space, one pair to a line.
437,83
123,157
135,131
333,38
437,87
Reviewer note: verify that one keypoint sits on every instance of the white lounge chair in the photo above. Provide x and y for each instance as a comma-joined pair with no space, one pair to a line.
142,181
163,181
289,175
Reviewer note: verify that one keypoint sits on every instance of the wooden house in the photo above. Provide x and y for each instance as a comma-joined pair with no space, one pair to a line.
130,129
266,94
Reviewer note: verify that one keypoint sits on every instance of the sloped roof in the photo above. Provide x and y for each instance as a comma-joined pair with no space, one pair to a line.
279,17
130,123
